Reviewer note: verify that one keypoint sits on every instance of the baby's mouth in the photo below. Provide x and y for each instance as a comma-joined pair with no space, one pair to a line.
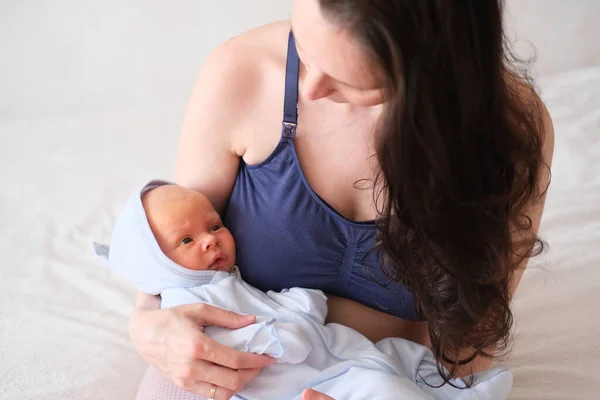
218,261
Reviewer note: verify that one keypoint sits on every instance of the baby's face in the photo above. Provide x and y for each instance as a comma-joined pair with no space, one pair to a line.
188,229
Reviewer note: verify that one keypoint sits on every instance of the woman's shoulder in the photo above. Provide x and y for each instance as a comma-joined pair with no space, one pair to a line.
243,80
237,70
235,86
534,104
532,100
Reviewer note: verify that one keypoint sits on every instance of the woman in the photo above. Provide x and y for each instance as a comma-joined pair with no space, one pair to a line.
407,182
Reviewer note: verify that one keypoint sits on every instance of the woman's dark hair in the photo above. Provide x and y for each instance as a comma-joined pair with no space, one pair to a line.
459,149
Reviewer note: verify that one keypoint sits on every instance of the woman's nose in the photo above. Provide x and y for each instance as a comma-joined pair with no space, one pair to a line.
315,85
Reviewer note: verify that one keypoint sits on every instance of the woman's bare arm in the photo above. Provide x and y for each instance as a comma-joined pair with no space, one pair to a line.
208,158
210,145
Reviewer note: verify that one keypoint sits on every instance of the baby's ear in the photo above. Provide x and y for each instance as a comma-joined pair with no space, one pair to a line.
101,250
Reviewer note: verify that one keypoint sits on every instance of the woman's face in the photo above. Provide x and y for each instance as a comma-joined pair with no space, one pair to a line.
336,67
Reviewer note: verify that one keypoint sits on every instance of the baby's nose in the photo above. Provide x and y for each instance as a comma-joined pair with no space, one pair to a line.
209,241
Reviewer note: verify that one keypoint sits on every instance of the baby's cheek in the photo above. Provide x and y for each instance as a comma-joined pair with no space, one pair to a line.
191,260
230,246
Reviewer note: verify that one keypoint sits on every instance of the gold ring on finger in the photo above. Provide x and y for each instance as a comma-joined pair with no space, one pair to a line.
213,392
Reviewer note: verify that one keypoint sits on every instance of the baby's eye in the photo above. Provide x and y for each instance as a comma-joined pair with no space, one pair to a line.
186,240
215,228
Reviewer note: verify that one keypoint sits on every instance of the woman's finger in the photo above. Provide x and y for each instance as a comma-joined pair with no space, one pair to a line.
206,389
310,394
226,378
223,392
210,315
219,354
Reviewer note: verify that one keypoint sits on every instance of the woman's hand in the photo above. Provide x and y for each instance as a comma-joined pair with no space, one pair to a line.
172,340
310,394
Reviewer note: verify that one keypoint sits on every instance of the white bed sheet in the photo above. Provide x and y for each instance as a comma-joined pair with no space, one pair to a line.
63,317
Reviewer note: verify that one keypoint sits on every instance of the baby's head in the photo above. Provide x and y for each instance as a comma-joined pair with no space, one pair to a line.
188,229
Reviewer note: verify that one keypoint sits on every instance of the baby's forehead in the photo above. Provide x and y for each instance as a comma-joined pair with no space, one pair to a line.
171,193
178,200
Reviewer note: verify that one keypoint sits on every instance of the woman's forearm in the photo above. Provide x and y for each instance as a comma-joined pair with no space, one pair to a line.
145,324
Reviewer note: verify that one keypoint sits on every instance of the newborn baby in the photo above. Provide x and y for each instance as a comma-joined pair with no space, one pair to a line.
169,240
168,237
188,229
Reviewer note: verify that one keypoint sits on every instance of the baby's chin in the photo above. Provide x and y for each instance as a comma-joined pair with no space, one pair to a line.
227,269
224,265
224,268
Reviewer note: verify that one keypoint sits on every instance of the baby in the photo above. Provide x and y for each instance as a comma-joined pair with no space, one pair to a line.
188,229
169,240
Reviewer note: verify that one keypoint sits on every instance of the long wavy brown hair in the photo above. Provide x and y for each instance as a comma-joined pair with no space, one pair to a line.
459,150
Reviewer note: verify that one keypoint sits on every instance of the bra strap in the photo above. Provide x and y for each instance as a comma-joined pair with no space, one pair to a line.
290,102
